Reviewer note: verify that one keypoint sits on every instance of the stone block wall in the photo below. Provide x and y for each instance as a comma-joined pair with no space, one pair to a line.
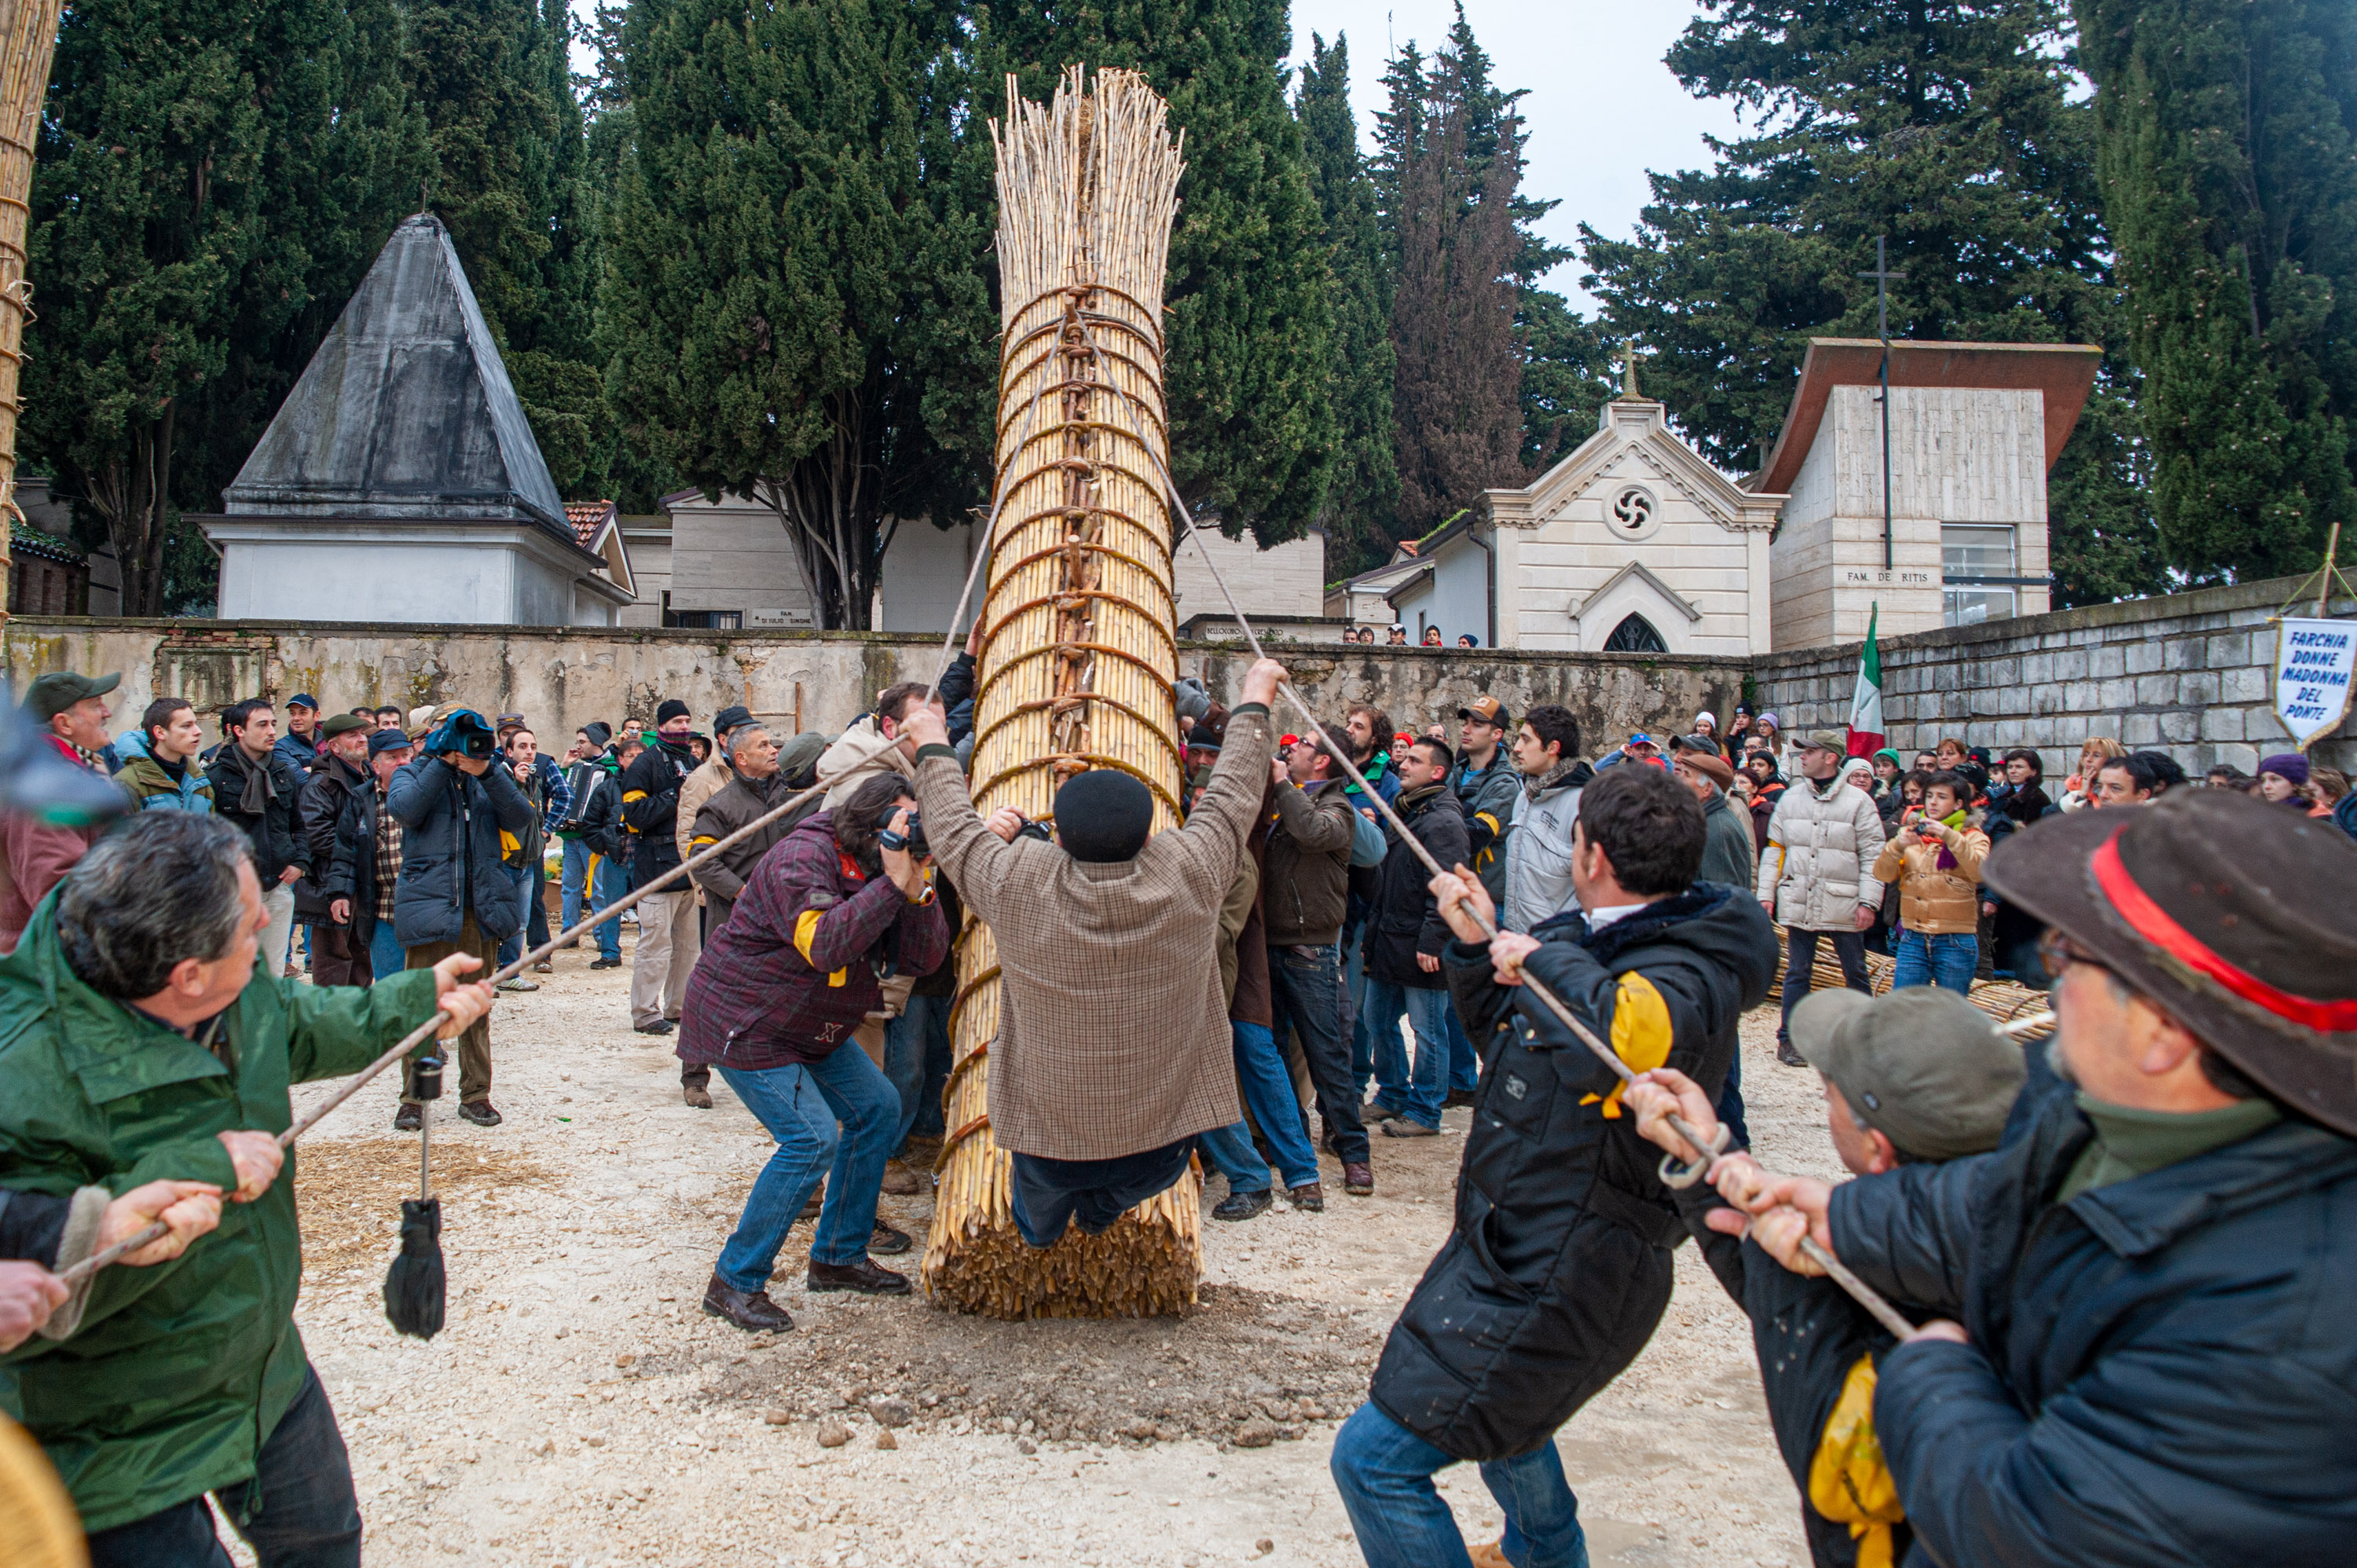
560,677
2187,673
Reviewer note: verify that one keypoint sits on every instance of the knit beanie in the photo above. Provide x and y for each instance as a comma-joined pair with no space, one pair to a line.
599,734
672,709
1104,815
2289,766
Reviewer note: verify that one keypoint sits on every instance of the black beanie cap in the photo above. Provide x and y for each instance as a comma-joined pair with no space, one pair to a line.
1104,815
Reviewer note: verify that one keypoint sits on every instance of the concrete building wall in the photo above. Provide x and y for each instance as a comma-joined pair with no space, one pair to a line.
1288,581
1454,596
648,539
2188,674
924,571
392,571
734,555
561,679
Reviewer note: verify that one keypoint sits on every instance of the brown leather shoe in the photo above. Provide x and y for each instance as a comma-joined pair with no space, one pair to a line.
1309,1196
884,1242
863,1276
1402,1127
695,1094
1358,1179
751,1311
900,1180
481,1112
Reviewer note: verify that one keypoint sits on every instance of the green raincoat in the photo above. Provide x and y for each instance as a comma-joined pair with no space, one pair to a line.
178,1371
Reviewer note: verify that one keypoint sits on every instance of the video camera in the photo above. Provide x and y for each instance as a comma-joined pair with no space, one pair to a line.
465,732
912,841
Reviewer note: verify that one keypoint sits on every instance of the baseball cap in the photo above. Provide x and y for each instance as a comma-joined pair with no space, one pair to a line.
386,740
1641,739
1289,740
58,689
303,700
1489,710
1923,1067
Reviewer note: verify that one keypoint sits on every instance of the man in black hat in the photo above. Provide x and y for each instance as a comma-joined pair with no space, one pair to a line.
668,940
2153,1359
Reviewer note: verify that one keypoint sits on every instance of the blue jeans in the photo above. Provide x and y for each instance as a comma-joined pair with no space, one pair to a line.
298,1511
1363,1051
1384,1474
1416,1096
1268,1095
574,878
387,957
513,949
1305,991
1945,960
800,1104
913,1043
1047,1195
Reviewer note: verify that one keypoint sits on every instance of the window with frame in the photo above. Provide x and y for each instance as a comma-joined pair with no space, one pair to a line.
1635,634
1977,563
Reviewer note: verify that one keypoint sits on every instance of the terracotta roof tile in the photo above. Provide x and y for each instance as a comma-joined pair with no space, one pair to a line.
587,518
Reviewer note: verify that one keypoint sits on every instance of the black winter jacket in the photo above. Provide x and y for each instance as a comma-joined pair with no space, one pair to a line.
1558,1266
351,871
317,816
1406,917
450,851
2162,1371
650,811
271,829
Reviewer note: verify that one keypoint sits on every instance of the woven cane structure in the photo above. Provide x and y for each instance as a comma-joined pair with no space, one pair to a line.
2000,999
28,31
1080,648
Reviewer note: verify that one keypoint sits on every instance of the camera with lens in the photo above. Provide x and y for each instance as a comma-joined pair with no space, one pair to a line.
913,839
465,732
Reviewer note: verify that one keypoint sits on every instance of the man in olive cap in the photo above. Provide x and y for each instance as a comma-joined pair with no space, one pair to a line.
1917,1076
35,855
2146,1354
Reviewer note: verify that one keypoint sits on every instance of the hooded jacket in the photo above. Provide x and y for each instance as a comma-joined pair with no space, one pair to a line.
1819,866
351,869
1538,850
261,800
1488,795
1559,1265
1939,880
450,851
1407,921
152,790
2161,1369
178,1371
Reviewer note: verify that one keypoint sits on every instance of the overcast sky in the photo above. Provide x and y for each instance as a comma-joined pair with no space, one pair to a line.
1602,108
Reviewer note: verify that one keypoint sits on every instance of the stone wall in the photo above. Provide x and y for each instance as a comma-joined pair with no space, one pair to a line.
561,679
2187,673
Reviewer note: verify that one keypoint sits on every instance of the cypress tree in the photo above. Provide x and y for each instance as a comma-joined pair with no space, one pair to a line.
2230,180
1946,124
494,83
793,305
1365,486
1250,323
213,178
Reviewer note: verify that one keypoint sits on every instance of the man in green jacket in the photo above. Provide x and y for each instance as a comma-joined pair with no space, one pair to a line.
140,1041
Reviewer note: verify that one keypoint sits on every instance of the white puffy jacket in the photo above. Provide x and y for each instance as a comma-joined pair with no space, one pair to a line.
1819,866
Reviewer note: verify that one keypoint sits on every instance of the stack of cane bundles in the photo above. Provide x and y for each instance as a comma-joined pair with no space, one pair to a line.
2000,999
1079,645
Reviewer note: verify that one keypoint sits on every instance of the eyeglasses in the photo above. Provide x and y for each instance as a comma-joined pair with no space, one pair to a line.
2057,953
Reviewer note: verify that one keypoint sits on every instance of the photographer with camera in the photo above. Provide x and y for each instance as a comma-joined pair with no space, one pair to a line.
454,894
843,902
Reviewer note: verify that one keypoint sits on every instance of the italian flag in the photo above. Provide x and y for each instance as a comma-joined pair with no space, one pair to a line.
1866,734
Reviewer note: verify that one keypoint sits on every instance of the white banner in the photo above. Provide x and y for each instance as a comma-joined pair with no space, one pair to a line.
2313,660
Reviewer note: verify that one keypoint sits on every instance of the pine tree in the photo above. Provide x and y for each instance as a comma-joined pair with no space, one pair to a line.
1946,124
1250,332
215,177
2230,180
794,304
1365,486
494,83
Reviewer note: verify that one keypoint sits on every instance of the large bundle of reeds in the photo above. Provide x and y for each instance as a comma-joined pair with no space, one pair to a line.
28,31
2000,999
1080,647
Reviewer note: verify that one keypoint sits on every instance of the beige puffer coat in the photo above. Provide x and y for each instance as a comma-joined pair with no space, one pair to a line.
1934,901
1819,866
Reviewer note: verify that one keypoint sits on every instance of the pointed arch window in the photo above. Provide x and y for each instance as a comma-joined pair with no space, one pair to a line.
1635,634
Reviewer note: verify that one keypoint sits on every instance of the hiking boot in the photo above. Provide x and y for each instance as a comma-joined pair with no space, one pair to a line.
660,1027
900,1181
408,1117
1401,1127
1788,1056
863,1276
481,1112
1310,1197
1241,1205
751,1310
1358,1178
885,1241
695,1094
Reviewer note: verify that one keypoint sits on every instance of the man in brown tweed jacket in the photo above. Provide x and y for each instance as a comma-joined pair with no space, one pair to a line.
1113,1050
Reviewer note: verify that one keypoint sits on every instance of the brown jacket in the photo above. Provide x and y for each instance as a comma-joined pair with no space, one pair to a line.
739,802
34,859
1112,1033
1930,900
1307,890
698,787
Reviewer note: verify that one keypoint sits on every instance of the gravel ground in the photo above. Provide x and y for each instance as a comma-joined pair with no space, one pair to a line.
580,1409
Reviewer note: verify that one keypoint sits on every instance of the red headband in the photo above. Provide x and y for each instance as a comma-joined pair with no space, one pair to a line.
2155,925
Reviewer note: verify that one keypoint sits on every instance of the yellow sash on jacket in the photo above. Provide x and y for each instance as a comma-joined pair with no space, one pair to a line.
1848,1482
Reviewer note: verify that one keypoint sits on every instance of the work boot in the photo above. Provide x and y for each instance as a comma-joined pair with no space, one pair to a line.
887,1243
1242,1205
1401,1127
660,1027
900,1181
695,1094
407,1118
1358,1178
1374,1112
481,1112
752,1310
1310,1197
863,1276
